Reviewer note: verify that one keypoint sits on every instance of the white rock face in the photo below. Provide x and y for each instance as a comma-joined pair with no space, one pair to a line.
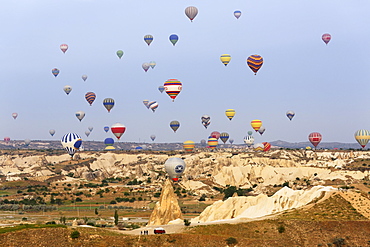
261,205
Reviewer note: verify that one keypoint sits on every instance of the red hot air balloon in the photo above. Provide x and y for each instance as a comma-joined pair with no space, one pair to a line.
118,129
267,146
315,138
64,47
326,38
215,134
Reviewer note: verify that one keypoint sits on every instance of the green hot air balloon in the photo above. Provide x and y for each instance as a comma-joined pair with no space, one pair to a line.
119,53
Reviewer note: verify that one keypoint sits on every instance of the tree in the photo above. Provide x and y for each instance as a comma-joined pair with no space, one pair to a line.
75,234
96,211
115,217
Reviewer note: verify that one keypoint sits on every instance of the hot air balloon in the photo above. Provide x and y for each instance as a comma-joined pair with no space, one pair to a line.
87,133
108,103
90,128
174,125
173,88
206,120
231,141
152,137
315,138
206,124
6,139
14,115
267,146
106,128
145,66
290,115
249,133
146,103
27,142
249,140
90,97
84,77
67,89
230,113
189,146
118,129
212,142
161,89
215,134
191,12
64,47
52,132
362,137
174,167
255,62
148,39
174,38
71,142
224,137
119,54
152,64
225,59
153,105
80,115
256,124
55,72
203,142
326,38
109,144
237,14
261,130
259,147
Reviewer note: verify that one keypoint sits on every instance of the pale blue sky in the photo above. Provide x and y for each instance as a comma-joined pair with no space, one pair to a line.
326,85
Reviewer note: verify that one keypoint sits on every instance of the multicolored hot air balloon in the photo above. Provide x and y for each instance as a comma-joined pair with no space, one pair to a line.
161,89
261,130
52,132
71,142
224,137
326,38
237,14
174,167
256,124
108,103
145,66
174,38
255,62
212,142
206,120
174,125
290,115
90,97
118,129
362,137
315,138
259,147
230,113
119,54
191,12
146,103
225,59
67,89
109,144
80,115
215,134
173,87
189,146
267,146
64,47
84,77
55,72
152,64
152,137
148,39
106,128
153,105
14,115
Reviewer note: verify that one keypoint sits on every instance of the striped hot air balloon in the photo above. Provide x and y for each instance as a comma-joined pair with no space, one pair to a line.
224,137
230,113
225,59
118,129
174,125
256,124
71,142
174,38
237,14
255,62
90,97
315,138
191,12
212,142
108,103
64,47
148,39
267,146
290,115
259,147
189,146
326,38
173,87
146,103
55,72
362,137
153,105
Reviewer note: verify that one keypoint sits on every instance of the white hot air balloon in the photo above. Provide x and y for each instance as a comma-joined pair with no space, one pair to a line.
90,128
67,89
87,133
71,142
27,142
145,66
175,167
84,77
51,132
249,140
80,115
191,12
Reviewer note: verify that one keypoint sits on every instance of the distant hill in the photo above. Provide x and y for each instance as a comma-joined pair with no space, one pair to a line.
322,145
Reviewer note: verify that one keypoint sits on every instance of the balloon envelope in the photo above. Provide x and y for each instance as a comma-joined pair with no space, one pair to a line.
224,137
118,129
173,87
55,72
261,130
84,77
225,59
148,39
80,115
191,12
119,54
259,147
161,89
215,134
231,141
153,105
290,114
174,125
51,132
108,141
230,113
14,115
267,146
256,124
108,103
212,142
87,133
255,62
174,38
67,89
174,167
146,103
315,138
362,137
27,142
90,97
249,140
326,38
90,128
71,142
237,14
64,47
145,66
152,137
189,146
106,128
152,64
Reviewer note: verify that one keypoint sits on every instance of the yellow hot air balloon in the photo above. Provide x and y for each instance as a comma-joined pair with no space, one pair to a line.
189,146
230,113
225,59
256,124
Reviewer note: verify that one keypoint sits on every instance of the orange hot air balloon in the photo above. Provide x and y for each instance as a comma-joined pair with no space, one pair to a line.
256,124
189,146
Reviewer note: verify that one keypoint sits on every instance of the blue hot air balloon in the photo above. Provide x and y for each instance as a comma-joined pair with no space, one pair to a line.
174,38
106,128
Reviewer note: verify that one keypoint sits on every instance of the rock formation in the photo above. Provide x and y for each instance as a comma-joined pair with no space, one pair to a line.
167,208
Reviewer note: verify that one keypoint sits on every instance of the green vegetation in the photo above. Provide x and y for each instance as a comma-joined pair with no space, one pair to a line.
28,226
75,234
